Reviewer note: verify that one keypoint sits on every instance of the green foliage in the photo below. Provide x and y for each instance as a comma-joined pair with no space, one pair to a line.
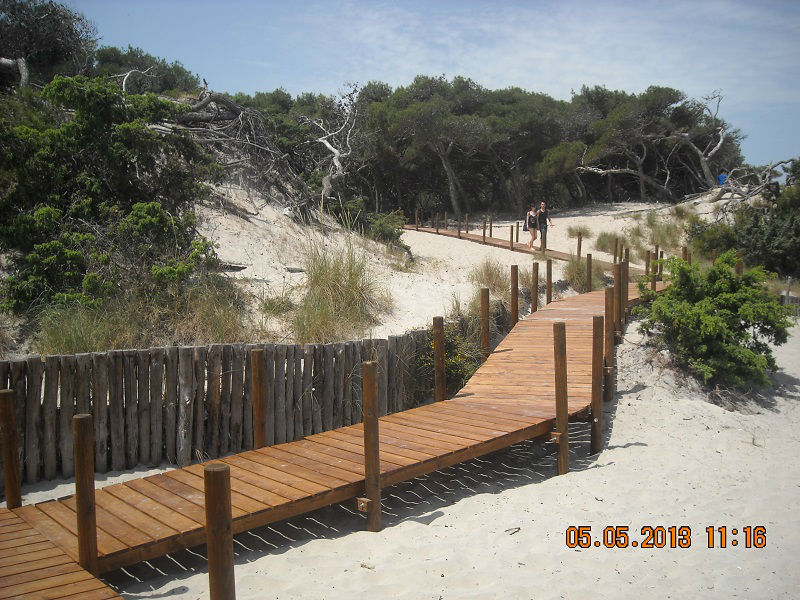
717,324
98,199
152,74
584,231
342,298
386,227
575,274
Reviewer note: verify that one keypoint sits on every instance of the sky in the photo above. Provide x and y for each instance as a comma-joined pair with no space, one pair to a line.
749,50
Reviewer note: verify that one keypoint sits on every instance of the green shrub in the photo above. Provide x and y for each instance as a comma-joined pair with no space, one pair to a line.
575,274
342,298
490,273
717,324
605,241
583,230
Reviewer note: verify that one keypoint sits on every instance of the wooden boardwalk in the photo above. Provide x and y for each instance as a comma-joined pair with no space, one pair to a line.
522,247
509,399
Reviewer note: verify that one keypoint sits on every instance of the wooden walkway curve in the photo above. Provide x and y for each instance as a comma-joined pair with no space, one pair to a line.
509,399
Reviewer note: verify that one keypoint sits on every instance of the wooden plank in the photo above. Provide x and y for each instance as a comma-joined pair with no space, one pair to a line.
66,410
316,393
391,374
175,503
247,406
146,505
347,395
279,394
193,494
280,473
33,413
288,395
18,383
116,409
100,410
308,384
357,404
225,400
157,407
131,408
171,403
50,417
297,395
338,385
269,371
83,374
143,403
183,438
237,396
382,358
214,395
296,475
199,404
327,386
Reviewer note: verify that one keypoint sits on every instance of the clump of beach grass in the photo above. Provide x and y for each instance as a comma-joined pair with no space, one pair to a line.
575,274
583,230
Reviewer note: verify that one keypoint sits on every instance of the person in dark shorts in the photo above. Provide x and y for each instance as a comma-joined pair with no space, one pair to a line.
542,217
531,224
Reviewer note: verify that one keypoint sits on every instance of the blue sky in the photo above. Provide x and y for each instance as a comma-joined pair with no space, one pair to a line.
750,50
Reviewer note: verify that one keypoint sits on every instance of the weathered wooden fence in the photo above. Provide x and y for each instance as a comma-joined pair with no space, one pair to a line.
180,404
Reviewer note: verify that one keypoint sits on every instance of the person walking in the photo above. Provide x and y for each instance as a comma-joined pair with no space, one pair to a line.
542,218
531,224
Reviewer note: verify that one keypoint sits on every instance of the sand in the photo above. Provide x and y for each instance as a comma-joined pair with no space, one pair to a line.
495,527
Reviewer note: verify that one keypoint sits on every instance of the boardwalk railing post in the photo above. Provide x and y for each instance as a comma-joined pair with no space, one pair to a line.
485,343
83,450
511,237
684,253
617,300
549,282
608,352
514,294
440,383
416,218
490,225
616,249
661,266
259,395
484,231
372,482
8,425
597,385
562,410
517,234
466,222
588,272
535,287
647,263
580,239
219,531
437,222
445,220
654,266
459,227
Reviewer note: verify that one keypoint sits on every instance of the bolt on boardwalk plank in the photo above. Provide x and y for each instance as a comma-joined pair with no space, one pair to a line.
500,406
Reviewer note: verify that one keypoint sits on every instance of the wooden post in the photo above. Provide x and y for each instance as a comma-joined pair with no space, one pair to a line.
416,218
485,343
661,266
535,287
597,385
580,240
627,254
445,220
511,237
684,253
517,234
484,231
616,248
549,282
647,263
372,469
437,222
588,272
459,227
618,299
219,531
440,383
11,471
653,277
514,294
562,410
83,447
259,395
608,350
490,225
466,222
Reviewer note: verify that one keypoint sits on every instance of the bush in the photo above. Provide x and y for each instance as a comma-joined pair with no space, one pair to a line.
717,324
575,274
583,230
342,298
